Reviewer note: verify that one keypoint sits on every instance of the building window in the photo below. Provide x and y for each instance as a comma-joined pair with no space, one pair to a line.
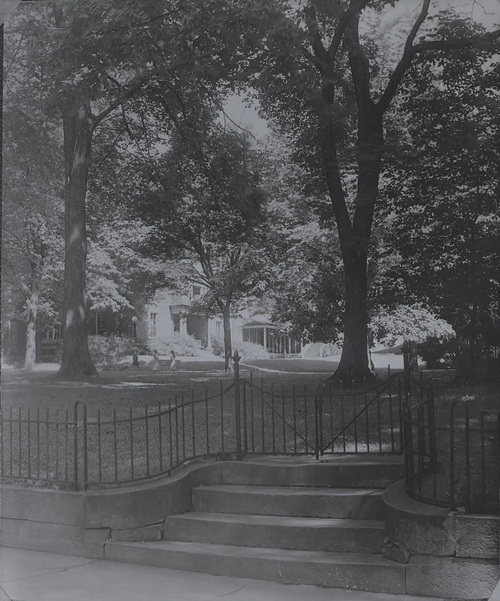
218,328
13,331
196,291
153,325
53,333
176,318
100,322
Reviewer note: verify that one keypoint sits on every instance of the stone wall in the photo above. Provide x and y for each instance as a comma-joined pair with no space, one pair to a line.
446,553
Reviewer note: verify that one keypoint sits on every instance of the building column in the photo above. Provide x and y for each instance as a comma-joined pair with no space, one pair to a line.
183,325
209,332
265,338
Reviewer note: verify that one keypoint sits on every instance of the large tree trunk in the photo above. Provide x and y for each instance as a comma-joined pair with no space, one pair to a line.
354,232
228,351
354,363
78,127
32,311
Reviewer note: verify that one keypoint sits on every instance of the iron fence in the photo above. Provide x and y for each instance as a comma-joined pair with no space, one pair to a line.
451,463
79,448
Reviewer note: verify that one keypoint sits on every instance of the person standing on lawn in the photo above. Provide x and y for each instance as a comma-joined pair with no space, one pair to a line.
155,361
172,360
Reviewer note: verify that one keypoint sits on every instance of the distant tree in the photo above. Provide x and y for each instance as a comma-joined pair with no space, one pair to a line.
208,211
32,223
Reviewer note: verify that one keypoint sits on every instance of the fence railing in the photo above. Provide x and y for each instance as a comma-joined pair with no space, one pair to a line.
453,462
84,447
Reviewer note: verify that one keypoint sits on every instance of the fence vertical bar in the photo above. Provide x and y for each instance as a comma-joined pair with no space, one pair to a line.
160,438
85,448
146,422
262,413
75,445
99,455
420,444
206,420
131,443
2,460
305,420
379,425
66,446
294,402
367,425
245,425
316,427
57,445
467,459
353,398
193,424
252,410
452,456
330,408
115,445
483,459
237,408
176,429
400,416
11,434
47,449
183,416
342,414
170,440
29,442
283,409
221,394
20,445
37,442
273,424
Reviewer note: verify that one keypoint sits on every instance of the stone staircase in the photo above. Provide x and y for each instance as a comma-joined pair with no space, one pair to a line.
290,521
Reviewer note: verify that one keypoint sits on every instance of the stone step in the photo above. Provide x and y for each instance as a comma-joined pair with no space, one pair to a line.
354,503
348,571
301,533
339,471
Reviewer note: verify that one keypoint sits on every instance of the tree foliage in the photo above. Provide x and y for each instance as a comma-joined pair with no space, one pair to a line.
208,211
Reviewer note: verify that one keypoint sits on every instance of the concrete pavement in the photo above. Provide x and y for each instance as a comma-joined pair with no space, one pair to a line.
41,576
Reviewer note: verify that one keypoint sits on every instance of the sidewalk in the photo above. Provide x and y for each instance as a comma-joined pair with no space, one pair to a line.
41,576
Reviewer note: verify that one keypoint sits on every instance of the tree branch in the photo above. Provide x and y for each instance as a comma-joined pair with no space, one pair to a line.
405,62
355,7
481,41
114,105
315,37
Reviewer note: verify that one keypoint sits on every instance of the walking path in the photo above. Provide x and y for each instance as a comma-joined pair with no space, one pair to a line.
41,576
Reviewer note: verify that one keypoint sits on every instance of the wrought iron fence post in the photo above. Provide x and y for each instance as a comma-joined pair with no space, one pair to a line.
75,444
237,410
84,445
317,409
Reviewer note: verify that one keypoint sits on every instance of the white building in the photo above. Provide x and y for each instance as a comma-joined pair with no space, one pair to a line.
171,312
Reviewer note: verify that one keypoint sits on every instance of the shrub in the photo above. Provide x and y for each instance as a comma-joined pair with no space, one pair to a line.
183,345
108,350
436,352
328,350
250,350
217,346
246,349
